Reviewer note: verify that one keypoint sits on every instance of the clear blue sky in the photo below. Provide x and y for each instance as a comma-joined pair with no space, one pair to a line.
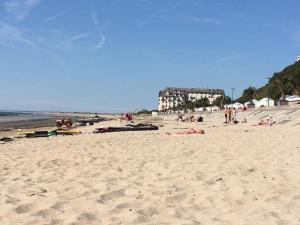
115,55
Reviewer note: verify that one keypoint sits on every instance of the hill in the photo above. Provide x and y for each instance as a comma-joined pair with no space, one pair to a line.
285,82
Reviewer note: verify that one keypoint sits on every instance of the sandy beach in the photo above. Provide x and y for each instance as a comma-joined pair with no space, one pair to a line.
175,112
236,174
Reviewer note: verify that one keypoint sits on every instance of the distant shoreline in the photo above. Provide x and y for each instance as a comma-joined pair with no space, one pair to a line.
32,120
26,124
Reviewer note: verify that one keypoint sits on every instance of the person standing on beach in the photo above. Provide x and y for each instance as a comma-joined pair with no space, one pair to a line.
234,115
226,115
229,115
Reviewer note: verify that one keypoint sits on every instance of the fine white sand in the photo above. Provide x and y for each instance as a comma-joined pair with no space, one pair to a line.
237,174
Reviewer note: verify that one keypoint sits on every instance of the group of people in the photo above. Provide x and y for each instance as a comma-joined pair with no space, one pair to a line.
231,118
230,115
181,118
191,118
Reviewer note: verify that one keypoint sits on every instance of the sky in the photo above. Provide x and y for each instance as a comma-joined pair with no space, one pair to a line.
115,55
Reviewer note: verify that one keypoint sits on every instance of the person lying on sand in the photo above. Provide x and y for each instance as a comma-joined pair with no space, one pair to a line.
261,123
268,122
190,131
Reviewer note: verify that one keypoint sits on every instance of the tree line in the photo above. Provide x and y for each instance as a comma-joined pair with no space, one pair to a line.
281,84
187,104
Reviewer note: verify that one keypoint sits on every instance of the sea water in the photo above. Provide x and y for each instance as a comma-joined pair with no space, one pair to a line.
6,115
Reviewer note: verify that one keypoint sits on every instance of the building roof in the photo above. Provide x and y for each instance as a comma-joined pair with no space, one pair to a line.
192,90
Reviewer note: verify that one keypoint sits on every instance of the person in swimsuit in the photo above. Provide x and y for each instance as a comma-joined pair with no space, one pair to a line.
226,115
229,115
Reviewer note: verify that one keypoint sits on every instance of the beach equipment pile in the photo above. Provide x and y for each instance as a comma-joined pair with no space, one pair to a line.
47,133
129,127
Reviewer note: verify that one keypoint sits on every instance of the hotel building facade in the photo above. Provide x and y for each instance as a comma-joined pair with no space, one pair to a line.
171,97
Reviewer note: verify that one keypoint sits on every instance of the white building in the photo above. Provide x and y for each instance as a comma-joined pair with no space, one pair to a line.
298,58
215,108
265,102
254,101
199,109
238,105
172,97
154,113
235,105
293,99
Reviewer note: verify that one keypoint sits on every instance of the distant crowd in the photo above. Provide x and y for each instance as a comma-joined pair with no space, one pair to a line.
191,118
231,117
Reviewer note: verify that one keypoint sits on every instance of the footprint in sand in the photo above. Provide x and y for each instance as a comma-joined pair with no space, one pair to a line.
111,195
141,219
282,222
59,206
123,206
23,208
86,217
148,212
55,222
44,213
11,200
33,222
193,222
179,212
176,198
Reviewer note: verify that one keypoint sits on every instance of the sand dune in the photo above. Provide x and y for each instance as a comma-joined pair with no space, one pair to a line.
231,175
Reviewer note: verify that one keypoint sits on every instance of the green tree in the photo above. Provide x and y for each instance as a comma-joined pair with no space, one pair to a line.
202,102
249,94
283,84
295,83
185,104
221,101
286,82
